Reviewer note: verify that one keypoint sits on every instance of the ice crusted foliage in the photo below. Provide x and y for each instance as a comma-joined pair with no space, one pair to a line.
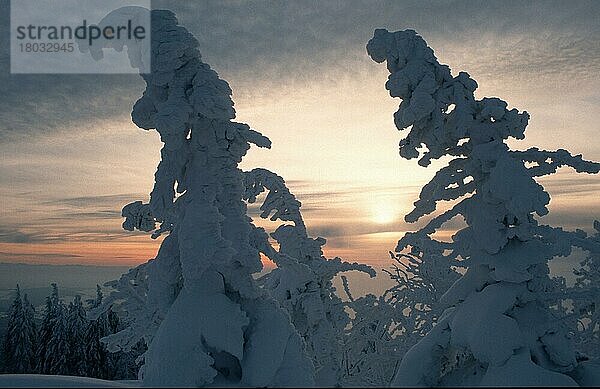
371,351
9,344
385,327
302,281
53,351
205,319
97,357
497,327
424,270
76,332
19,346
585,296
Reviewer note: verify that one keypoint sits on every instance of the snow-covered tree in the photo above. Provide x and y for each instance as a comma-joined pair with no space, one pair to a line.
585,297
8,345
96,355
385,327
424,270
204,318
497,328
77,325
53,348
19,347
27,340
118,364
303,279
47,327
371,349
124,364
121,365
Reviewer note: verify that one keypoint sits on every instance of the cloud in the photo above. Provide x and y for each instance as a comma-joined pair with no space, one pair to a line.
62,219
13,256
582,185
354,229
270,42
314,31
8,235
39,104
87,202
105,214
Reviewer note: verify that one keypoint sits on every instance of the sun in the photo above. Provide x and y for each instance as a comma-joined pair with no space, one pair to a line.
383,212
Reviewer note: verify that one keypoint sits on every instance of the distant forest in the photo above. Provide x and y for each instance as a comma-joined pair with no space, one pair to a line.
63,340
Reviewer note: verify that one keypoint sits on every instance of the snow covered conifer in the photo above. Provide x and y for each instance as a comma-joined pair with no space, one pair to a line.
385,327
424,270
497,328
45,332
19,347
204,318
26,342
96,355
302,281
54,346
77,325
371,352
121,364
585,295
8,345
58,348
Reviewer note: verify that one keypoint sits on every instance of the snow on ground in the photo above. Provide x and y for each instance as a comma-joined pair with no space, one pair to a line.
58,381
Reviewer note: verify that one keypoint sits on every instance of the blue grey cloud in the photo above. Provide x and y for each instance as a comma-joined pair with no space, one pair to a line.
14,235
87,202
273,41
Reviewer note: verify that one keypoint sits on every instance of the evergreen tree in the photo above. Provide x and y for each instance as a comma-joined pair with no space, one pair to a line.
20,338
9,344
46,328
114,364
385,327
126,366
302,282
26,341
203,315
68,344
56,358
77,325
585,297
498,327
121,365
53,348
96,355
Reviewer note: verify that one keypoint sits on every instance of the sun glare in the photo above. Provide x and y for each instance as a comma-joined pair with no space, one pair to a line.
383,212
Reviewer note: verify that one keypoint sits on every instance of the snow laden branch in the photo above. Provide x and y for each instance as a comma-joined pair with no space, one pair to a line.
279,201
585,296
385,327
497,327
205,319
302,281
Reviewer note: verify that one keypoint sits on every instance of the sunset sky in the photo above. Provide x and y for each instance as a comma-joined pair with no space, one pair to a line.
71,158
